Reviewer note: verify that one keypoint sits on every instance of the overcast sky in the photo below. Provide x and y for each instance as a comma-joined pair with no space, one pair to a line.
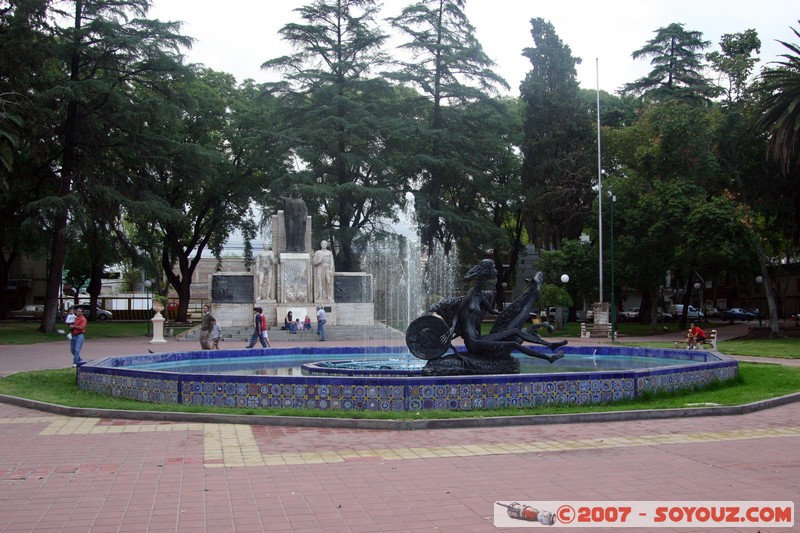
237,36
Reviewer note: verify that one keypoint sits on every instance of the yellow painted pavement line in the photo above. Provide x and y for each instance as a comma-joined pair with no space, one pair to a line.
474,450
29,419
234,445
230,445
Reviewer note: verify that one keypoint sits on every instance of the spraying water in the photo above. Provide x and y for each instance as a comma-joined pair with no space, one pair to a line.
407,279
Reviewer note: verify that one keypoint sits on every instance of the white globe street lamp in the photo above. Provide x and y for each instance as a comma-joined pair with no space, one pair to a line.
565,312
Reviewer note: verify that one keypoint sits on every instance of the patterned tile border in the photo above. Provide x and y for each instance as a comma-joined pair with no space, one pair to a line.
374,393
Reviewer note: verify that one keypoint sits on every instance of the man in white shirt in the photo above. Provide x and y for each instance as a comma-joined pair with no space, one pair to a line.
321,323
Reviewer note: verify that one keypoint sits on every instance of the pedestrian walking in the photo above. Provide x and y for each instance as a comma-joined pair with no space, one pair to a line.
206,325
257,328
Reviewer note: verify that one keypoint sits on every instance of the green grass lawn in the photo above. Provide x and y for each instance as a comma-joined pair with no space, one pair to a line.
755,381
779,348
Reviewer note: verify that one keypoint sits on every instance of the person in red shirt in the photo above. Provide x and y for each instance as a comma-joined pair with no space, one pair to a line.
696,336
77,329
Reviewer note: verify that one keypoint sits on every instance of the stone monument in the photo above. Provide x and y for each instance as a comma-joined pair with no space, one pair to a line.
266,265
323,274
290,276
296,221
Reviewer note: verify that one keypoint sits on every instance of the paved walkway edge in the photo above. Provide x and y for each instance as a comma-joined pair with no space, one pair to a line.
394,425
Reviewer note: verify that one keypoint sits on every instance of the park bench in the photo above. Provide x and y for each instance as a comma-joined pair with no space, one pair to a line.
711,339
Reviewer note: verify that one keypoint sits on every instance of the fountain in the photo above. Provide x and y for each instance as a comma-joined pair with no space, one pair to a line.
199,378
489,371
388,379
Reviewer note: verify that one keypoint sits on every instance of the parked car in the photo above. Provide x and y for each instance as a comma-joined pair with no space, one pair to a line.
28,312
756,313
549,314
102,314
737,313
628,314
692,314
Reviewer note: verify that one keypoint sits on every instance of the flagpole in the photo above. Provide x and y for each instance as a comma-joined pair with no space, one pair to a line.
599,180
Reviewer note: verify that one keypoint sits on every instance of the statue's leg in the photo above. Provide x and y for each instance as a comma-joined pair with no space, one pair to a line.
533,353
536,339
516,335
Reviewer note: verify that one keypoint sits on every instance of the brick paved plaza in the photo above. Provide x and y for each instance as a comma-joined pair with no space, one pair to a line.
103,474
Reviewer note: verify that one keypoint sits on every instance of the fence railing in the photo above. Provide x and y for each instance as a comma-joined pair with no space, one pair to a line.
139,307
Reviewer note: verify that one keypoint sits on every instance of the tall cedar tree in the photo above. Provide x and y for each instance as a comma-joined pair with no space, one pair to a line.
28,143
558,143
675,54
109,48
450,67
339,123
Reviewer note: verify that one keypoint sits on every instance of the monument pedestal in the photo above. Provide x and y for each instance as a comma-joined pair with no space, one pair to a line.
234,294
158,329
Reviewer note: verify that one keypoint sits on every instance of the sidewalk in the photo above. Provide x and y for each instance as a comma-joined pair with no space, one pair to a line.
110,475
23,358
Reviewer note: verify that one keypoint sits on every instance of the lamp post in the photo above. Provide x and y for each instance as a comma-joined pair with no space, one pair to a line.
147,285
613,305
565,312
702,287
697,287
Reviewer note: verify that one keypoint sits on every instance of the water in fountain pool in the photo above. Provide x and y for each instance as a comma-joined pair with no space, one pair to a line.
403,364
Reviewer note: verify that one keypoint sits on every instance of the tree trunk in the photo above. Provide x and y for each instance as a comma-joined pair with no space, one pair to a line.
774,327
5,265
68,167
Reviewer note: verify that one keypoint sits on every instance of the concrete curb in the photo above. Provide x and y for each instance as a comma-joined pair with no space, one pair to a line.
399,425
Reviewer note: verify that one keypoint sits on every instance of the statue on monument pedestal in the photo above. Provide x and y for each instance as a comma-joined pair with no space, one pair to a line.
265,267
323,273
295,213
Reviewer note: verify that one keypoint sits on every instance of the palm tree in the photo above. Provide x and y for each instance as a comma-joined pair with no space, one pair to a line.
780,90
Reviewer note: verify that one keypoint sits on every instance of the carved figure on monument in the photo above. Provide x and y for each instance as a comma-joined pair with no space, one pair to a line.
295,213
323,273
429,337
295,281
265,267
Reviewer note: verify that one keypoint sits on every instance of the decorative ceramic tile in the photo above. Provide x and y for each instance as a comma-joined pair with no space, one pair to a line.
387,393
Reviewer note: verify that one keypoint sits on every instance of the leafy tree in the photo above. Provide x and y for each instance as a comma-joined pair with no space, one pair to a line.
29,67
339,122
449,67
558,144
107,47
9,140
735,61
189,192
669,215
486,205
579,261
675,54
765,192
